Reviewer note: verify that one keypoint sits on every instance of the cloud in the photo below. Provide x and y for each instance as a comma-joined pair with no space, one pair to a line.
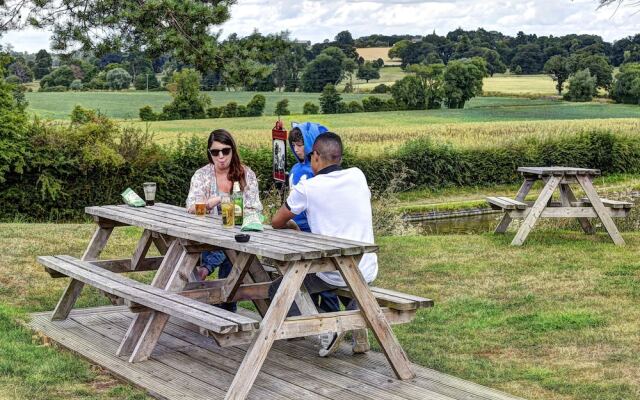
317,20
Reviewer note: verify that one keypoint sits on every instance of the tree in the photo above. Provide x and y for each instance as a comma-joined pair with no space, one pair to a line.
558,68
408,93
42,64
21,70
181,28
626,88
187,102
368,71
118,79
597,65
463,81
310,108
61,76
432,78
330,100
282,107
146,81
582,86
255,107
344,41
529,57
327,68
13,127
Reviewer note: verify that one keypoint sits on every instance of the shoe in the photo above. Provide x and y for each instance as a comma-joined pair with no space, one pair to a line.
330,342
202,273
360,341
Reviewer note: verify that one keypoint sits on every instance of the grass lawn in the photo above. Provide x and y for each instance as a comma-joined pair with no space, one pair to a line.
556,318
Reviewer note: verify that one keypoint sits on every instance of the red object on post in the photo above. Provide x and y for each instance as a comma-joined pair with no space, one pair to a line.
279,142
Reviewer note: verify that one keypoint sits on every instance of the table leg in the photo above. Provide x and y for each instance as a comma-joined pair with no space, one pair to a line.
236,276
520,196
603,214
536,210
141,249
257,351
567,197
161,278
157,321
256,274
72,292
374,316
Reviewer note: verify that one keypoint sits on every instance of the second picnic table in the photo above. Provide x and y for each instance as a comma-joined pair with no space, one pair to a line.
592,206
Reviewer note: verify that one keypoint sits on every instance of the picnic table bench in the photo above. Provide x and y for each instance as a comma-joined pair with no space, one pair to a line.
175,292
591,206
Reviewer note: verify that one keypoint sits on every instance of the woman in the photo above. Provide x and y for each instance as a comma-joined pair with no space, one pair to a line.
210,182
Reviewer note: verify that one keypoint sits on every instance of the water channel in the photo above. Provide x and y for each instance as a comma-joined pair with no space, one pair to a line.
487,222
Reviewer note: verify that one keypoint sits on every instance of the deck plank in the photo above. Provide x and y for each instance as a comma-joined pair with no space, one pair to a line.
186,364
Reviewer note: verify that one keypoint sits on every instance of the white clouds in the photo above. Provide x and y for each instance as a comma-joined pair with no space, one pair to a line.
317,20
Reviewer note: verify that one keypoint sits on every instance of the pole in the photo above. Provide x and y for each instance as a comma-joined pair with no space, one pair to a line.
147,76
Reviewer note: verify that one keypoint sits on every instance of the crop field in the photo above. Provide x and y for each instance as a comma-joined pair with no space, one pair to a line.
373,53
126,104
520,84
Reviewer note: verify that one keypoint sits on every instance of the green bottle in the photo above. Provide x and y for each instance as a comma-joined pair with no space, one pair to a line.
238,200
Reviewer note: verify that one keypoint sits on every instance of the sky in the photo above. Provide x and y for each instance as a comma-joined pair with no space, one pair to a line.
316,20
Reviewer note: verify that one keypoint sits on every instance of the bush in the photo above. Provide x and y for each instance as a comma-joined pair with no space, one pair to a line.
582,86
146,114
310,108
13,80
330,100
373,104
626,88
255,107
61,76
76,85
354,107
242,111
409,93
214,112
80,115
381,88
230,110
53,89
118,79
187,102
282,107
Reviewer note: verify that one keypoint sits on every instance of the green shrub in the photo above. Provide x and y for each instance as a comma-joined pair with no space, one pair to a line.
214,112
76,85
13,80
330,100
81,115
373,104
53,89
242,111
582,86
354,107
282,107
255,107
230,110
146,114
310,108
146,81
381,88
626,88
118,79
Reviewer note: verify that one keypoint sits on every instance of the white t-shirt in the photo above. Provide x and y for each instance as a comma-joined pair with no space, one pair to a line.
338,204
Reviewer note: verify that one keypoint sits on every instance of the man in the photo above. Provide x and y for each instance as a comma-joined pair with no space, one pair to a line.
337,203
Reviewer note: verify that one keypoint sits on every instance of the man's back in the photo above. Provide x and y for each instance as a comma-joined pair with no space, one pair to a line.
338,203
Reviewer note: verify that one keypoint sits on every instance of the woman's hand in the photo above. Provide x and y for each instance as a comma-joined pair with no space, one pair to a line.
213,202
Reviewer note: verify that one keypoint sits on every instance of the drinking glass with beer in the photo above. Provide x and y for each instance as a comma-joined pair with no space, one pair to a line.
201,205
228,211
149,189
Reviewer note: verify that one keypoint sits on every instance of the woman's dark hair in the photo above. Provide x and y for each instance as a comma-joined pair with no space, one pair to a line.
236,169
295,135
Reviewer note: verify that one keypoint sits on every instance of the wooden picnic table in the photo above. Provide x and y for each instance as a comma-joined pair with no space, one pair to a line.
592,206
181,237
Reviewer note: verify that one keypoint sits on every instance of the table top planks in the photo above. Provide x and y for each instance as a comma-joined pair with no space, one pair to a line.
548,171
283,245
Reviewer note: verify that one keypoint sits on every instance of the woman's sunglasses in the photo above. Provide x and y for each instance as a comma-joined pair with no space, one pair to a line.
216,152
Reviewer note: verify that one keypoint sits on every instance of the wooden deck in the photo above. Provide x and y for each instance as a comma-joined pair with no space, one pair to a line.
186,365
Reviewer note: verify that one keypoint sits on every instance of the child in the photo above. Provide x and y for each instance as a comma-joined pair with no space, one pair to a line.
301,138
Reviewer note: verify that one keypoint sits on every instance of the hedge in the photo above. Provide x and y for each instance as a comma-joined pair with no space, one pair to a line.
71,166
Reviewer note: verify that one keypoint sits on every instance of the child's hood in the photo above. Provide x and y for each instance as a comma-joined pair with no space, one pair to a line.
310,131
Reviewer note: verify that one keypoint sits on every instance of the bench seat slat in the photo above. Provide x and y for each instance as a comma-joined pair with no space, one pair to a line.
243,322
506,203
130,290
392,299
609,203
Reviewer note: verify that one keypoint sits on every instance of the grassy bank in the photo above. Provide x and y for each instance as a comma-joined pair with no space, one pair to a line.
556,318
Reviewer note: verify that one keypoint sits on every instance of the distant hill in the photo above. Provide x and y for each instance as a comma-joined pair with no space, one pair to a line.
373,53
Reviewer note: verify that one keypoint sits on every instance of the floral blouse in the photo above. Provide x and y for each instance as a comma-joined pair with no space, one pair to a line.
203,182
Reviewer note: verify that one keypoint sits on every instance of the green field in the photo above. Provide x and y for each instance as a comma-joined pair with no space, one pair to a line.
126,104
555,319
520,84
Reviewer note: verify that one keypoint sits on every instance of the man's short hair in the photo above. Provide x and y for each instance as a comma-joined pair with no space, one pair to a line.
328,145
295,135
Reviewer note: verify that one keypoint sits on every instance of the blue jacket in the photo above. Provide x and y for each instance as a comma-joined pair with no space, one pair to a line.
302,169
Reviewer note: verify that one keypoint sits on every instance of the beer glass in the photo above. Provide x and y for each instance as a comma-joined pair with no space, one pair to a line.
149,189
228,211
201,205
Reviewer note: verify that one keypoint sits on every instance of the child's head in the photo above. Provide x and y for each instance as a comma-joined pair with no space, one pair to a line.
296,140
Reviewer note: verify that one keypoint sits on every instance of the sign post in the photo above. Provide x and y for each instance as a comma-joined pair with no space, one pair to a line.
279,146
